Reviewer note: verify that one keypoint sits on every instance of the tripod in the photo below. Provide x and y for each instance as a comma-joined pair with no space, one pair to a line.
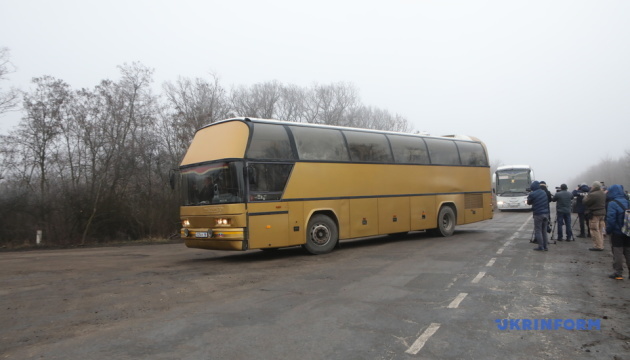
531,240
553,230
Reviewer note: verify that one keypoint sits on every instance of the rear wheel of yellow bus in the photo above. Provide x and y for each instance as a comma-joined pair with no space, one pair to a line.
446,222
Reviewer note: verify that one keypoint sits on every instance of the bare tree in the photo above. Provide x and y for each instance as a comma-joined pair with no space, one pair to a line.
331,104
9,98
259,101
190,104
291,106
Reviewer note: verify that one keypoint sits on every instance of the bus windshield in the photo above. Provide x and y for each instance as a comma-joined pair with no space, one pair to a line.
514,182
212,183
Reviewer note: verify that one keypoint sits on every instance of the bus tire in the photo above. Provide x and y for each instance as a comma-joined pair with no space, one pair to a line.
446,222
322,235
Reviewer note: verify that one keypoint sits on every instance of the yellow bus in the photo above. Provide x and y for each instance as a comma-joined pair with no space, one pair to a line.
267,184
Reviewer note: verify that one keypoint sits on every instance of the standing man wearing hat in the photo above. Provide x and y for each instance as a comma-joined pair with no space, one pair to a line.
595,202
563,211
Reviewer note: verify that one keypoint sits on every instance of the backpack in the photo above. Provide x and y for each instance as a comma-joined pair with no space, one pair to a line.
625,227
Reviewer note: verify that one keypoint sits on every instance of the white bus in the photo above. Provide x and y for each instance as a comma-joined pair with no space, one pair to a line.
511,186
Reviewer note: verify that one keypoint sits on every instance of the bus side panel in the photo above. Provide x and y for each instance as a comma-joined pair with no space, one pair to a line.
363,217
473,207
268,225
393,215
297,227
423,213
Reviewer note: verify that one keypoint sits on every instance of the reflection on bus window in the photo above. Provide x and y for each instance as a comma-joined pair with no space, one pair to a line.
472,154
409,150
319,144
270,142
443,152
216,183
267,180
368,147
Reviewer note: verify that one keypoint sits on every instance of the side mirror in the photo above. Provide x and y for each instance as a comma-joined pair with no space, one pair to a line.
171,178
251,175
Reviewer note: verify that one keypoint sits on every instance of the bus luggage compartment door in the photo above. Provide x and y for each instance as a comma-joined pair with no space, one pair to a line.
268,225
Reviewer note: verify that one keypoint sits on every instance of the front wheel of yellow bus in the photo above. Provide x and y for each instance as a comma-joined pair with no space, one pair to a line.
322,235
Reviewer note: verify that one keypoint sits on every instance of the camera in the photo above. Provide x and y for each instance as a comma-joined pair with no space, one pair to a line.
558,188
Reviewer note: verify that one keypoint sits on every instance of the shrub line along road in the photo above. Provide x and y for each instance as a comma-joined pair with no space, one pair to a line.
408,297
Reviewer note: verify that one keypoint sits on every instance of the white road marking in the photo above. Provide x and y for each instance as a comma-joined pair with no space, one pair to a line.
419,343
458,299
478,277
491,262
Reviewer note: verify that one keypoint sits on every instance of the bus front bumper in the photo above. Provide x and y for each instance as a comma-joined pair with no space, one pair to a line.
215,239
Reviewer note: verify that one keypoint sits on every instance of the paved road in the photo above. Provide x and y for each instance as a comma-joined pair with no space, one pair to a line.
380,298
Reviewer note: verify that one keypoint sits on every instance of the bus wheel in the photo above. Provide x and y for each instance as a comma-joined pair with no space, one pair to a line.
446,222
322,235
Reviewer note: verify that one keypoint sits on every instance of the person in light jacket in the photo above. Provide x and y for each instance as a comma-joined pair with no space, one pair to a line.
595,203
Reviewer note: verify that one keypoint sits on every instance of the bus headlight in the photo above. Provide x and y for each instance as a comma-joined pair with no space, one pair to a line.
222,222
185,223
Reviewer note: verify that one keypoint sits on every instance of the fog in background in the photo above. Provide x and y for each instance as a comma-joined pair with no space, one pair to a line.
543,83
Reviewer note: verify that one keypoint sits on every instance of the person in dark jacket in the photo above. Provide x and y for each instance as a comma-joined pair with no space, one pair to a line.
543,186
579,193
539,201
563,211
617,205
595,203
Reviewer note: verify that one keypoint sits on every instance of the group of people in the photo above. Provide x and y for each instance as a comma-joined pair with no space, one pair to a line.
603,208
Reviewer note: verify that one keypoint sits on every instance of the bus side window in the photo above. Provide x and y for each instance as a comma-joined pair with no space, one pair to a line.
472,154
368,147
270,141
319,144
443,152
271,179
409,150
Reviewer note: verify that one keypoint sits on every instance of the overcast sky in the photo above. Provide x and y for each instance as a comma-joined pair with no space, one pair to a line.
544,83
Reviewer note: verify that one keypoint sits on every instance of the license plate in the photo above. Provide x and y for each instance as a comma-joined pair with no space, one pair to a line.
201,234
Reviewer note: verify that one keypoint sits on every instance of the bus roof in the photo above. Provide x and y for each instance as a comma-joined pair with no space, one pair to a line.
509,167
339,127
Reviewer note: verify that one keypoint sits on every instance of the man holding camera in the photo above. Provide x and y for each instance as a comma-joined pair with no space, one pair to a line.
579,193
563,211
